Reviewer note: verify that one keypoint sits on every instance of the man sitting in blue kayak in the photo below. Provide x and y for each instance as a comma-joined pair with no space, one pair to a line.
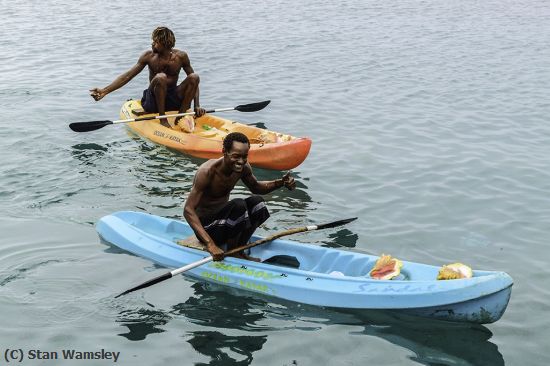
217,221
165,63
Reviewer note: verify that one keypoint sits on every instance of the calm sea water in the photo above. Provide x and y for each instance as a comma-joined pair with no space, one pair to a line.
429,122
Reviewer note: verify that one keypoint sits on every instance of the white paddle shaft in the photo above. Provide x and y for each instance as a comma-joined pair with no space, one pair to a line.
156,117
191,266
164,116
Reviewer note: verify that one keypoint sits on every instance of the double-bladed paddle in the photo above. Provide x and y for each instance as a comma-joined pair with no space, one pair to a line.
96,125
236,250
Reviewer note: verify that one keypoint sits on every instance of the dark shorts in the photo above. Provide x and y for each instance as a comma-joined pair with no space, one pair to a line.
236,220
172,103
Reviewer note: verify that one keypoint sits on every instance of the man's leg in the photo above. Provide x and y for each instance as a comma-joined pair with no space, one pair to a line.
226,226
187,90
234,224
257,215
159,85
185,93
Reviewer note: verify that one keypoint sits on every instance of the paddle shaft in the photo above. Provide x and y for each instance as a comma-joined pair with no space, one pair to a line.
241,248
96,125
198,263
164,116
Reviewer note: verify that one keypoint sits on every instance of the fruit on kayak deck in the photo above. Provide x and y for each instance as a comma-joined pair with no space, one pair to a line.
454,271
386,268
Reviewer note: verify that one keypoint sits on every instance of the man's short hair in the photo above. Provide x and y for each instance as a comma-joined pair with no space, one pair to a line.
234,136
164,36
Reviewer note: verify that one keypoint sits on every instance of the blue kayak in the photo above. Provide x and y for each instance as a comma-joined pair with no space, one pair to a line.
315,275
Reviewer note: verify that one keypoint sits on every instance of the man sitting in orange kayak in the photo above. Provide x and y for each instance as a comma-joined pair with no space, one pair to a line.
218,222
165,63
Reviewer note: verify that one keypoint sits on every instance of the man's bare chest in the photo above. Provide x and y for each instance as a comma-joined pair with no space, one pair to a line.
169,67
221,187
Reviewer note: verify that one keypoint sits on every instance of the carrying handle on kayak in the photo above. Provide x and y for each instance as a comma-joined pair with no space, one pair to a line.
190,266
96,125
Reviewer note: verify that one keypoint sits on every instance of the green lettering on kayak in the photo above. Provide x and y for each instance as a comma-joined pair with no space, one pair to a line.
268,276
254,286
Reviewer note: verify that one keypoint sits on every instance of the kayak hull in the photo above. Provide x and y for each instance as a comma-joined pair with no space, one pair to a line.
316,275
268,149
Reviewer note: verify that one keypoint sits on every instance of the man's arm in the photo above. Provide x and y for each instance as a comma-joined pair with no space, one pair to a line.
120,81
199,185
264,187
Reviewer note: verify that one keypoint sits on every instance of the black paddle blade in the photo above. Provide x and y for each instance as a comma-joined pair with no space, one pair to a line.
147,283
336,223
88,126
252,107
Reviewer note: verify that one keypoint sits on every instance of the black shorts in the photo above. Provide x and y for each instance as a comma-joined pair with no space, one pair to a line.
236,220
172,101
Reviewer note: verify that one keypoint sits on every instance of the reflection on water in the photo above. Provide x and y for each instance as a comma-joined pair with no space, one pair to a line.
434,342
221,308
239,322
224,349
87,153
141,322
341,238
89,146
213,308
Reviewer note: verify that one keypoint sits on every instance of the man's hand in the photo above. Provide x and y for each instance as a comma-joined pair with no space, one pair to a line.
98,93
288,181
199,112
215,252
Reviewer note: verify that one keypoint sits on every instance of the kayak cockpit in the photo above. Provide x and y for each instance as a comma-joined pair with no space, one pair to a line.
321,260
302,257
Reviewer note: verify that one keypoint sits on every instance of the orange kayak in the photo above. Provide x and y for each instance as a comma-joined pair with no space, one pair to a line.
268,149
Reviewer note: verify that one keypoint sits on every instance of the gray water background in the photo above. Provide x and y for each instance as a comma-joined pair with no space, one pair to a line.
429,122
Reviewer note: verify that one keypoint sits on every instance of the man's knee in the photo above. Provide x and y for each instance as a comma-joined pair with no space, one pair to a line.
160,79
194,79
239,205
253,201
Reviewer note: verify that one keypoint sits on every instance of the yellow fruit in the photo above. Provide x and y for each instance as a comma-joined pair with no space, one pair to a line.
454,271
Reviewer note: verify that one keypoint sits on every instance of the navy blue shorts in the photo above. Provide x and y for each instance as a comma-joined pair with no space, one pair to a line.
172,103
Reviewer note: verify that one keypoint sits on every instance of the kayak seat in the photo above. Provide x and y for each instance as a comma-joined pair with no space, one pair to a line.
283,261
